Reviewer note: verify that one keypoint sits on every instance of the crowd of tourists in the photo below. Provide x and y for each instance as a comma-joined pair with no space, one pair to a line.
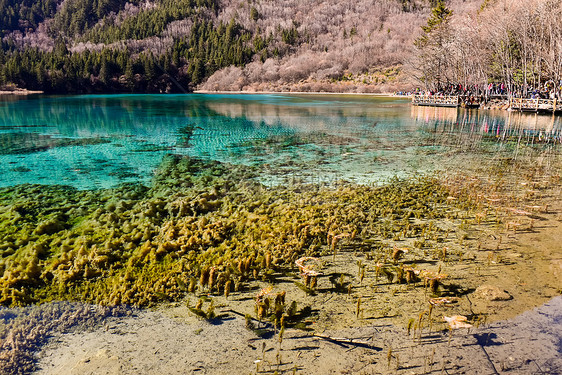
548,90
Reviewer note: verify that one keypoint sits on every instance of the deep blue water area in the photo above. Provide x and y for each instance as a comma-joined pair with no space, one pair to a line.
100,141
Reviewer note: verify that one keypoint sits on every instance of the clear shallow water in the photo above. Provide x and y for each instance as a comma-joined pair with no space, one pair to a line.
102,141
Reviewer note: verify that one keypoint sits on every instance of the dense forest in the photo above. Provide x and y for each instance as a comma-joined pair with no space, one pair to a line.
111,45
319,45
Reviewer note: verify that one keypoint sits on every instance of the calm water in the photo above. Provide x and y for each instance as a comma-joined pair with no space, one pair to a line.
102,141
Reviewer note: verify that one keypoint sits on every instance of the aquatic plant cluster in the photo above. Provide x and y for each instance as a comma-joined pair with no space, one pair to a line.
201,226
22,143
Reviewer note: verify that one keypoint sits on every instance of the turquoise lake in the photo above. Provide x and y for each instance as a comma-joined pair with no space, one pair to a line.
101,141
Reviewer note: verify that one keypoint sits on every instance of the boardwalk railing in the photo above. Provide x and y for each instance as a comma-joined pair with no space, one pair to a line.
521,104
436,100
534,104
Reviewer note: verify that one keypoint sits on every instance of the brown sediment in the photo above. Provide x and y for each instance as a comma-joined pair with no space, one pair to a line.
173,342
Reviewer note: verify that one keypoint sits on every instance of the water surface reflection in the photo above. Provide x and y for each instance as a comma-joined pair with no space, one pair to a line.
101,141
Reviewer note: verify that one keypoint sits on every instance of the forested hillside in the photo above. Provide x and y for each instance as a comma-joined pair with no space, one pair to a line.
180,45
176,45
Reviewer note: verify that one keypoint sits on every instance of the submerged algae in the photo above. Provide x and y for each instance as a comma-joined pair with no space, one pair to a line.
139,246
27,143
205,226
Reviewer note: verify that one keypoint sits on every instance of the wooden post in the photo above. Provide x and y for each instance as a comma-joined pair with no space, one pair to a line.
554,106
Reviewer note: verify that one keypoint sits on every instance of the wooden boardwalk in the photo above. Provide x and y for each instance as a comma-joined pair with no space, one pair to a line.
466,101
436,100
518,104
534,105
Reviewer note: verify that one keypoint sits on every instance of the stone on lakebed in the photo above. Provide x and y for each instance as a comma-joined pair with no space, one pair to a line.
492,293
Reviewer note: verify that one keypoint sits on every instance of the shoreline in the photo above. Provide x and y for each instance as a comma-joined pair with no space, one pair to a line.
20,92
208,92
299,93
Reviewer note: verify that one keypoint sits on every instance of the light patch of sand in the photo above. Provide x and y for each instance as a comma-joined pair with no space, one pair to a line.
153,342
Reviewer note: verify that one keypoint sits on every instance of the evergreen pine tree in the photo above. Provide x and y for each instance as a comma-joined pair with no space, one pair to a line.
104,75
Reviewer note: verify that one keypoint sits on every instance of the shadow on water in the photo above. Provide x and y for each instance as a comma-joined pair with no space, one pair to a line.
487,339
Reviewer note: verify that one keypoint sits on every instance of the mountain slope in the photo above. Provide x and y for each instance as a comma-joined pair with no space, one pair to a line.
179,45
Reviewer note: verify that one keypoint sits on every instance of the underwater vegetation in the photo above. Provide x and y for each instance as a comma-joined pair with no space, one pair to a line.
185,134
206,228
201,221
278,142
28,143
